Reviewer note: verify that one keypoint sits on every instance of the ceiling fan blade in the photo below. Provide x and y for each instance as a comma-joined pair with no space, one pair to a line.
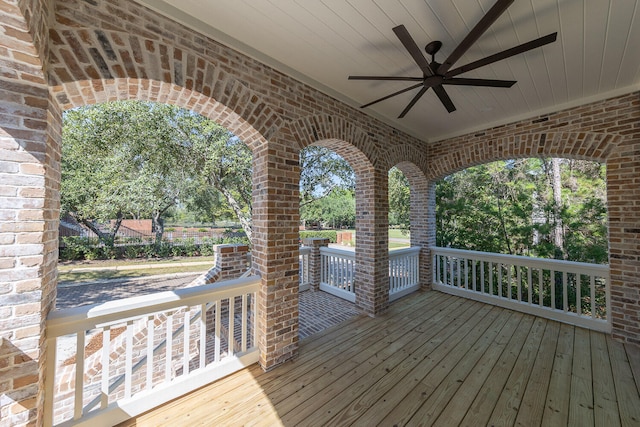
399,79
413,102
392,95
479,82
414,50
489,18
444,98
549,38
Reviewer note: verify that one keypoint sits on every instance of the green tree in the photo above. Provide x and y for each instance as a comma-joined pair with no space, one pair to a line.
138,159
118,160
338,209
399,199
537,207
321,172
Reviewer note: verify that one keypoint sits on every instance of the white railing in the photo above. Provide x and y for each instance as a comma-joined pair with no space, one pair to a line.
571,292
337,272
108,362
404,272
305,273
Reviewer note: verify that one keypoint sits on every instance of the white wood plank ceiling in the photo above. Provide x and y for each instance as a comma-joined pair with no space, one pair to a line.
322,42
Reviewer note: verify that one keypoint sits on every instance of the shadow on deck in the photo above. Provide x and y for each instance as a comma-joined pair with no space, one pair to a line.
432,359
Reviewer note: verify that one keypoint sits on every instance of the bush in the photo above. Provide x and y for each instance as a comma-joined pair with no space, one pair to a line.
75,248
332,235
79,248
133,251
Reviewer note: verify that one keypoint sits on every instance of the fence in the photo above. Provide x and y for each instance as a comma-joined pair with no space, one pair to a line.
137,353
404,272
305,271
571,292
338,272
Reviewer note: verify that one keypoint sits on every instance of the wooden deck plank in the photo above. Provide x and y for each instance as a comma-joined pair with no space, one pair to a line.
433,374
556,412
482,406
626,389
440,397
355,325
351,402
468,387
371,359
378,402
462,361
633,355
296,386
581,402
533,402
508,404
604,393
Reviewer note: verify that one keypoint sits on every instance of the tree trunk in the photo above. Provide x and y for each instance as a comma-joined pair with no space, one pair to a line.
558,231
158,226
245,222
107,238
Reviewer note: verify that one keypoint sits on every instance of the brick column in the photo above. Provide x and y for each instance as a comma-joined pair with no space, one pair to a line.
372,242
231,260
623,193
315,243
29,204
276,176
422,217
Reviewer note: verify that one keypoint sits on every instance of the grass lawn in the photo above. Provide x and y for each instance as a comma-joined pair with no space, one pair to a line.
78,271
71,265
398,245
86,276
395,233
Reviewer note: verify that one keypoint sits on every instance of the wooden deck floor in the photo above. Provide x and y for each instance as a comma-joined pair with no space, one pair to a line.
433,359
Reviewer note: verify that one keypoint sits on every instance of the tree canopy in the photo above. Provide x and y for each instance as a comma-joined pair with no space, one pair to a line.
512,207
131,159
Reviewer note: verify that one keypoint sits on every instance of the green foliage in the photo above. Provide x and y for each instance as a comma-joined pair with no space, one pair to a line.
337,210
119,159
399,199
508,207
74,248
332,235
139,159
322,172
81,248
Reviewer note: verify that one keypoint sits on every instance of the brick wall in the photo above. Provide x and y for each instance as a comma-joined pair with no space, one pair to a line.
29,176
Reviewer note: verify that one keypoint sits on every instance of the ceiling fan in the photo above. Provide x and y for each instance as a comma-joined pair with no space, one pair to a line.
436,75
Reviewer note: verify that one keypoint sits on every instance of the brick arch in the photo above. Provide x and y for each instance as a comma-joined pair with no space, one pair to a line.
337,134
407,156
413,172
96,65
79,93
572,145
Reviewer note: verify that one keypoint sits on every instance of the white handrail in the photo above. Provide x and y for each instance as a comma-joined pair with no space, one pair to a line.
337,272
305,273
198,334
572,292
404,271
